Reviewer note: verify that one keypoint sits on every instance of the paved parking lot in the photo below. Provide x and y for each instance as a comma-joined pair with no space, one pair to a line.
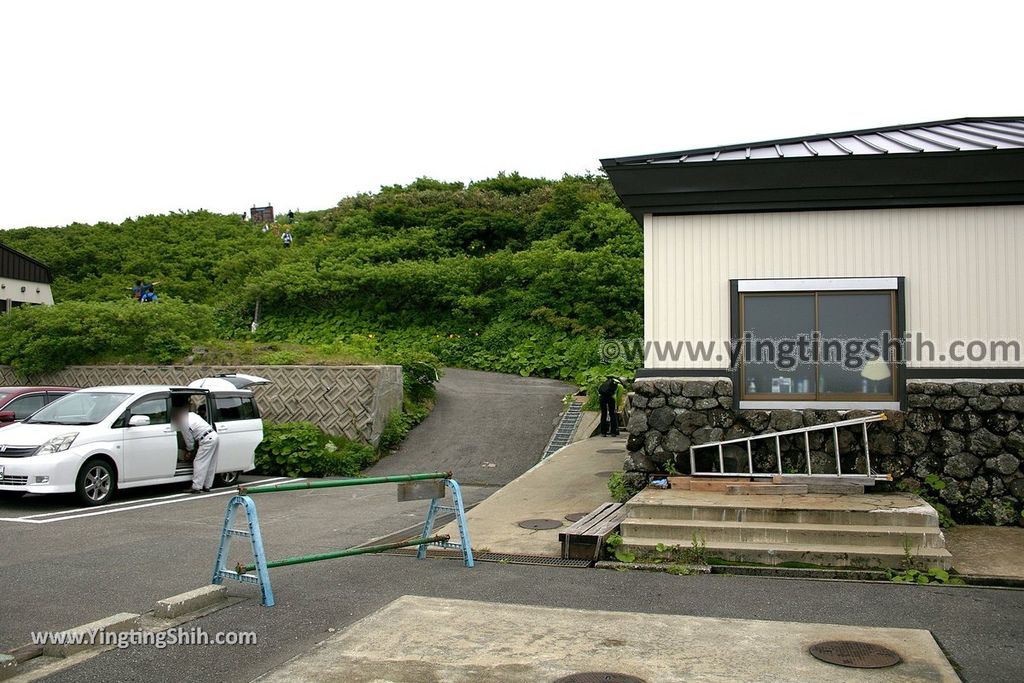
66,566
33,509
62,565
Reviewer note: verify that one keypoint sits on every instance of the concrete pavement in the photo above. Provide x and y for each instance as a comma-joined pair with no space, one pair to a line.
416,640
575,479
987,550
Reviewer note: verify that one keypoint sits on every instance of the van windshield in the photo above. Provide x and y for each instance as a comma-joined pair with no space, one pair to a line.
80,408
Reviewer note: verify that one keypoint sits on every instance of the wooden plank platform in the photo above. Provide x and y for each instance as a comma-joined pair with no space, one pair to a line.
585,539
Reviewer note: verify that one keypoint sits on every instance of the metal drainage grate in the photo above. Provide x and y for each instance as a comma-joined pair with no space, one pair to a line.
564,431
605,474
576,516
855,654
538,524
599,677
501,558
611,450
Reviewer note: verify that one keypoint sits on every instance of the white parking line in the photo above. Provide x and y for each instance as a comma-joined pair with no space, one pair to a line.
111,508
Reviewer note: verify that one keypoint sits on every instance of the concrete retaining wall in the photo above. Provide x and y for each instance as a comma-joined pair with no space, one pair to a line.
350,400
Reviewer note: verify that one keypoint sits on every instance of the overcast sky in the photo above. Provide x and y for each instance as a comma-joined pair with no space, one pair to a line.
112,110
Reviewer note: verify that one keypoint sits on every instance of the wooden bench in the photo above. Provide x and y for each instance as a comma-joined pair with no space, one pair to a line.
585,539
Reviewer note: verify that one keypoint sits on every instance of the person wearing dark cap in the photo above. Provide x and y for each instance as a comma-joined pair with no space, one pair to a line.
609,410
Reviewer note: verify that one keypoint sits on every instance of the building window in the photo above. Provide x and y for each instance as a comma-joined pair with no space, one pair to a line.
823,340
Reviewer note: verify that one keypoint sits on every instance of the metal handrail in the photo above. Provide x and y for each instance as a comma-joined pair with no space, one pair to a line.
332,483
834,426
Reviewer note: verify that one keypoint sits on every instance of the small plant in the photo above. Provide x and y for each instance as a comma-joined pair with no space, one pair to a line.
933,575
933,485
614,543
697,552
679,570
907,563
617,487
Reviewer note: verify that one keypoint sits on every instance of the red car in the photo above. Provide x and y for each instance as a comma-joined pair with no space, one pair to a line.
17,403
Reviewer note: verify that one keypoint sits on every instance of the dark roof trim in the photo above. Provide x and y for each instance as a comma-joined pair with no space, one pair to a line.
19,266
838,181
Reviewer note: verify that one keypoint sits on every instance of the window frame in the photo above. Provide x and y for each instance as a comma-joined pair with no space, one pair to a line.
10,405
818,287
126,415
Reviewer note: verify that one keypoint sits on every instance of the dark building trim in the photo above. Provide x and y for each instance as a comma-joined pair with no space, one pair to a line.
18,266
933,179
684,372
899,332
964,373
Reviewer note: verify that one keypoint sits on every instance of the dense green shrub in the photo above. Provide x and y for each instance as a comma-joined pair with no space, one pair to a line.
510,274
40,339
301,449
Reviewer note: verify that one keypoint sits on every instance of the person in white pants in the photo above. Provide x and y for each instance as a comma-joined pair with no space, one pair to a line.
200,437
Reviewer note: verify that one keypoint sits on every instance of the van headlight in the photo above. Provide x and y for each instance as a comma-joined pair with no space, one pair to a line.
58,443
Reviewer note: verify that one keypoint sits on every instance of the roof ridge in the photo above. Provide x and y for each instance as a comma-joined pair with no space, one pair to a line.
805,140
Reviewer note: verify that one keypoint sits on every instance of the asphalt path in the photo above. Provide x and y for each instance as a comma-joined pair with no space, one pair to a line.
61,565
487,428
978,628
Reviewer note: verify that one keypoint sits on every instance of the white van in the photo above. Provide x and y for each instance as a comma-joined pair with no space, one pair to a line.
95,441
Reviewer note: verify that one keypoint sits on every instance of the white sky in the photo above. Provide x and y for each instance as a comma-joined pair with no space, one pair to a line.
117,109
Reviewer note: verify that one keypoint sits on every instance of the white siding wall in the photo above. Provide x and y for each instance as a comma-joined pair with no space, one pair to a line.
962,268
11,290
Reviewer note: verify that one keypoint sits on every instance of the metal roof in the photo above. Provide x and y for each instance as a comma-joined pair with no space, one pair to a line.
18,266
953,135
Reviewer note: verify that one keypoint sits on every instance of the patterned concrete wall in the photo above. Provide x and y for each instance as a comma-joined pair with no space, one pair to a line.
353,400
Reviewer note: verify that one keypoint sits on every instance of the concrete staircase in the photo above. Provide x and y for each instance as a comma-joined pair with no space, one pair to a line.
826,529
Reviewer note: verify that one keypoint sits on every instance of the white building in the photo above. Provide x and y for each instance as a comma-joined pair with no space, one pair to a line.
23,280
809,249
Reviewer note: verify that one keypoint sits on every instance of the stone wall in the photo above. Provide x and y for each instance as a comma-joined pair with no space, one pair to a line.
969,435
350,400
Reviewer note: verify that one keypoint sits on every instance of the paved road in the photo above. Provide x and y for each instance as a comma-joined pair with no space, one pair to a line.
487,428
979,628
60,566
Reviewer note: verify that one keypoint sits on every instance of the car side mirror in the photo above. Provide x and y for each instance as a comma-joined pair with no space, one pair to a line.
6,416
138,421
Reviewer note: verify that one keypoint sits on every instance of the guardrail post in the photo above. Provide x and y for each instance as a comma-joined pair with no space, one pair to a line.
220,570
464,544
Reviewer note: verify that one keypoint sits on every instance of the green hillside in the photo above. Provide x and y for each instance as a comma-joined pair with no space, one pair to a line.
511,274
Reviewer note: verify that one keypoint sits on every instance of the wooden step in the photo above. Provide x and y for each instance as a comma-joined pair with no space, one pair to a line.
766,489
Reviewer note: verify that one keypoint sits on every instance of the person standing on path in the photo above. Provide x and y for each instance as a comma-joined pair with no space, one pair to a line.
200,437
609,410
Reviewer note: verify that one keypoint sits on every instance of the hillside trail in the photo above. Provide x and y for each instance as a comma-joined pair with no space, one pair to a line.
487,428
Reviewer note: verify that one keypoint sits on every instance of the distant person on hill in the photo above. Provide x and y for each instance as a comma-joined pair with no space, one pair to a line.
609,411
291,216
149,296
266,228
287,239
137,291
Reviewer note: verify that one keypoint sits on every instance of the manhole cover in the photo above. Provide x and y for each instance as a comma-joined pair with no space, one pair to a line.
605,474
599,677
855,654
575,516
609,450
540,524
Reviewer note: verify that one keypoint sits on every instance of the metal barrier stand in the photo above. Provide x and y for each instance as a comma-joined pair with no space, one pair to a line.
243,572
